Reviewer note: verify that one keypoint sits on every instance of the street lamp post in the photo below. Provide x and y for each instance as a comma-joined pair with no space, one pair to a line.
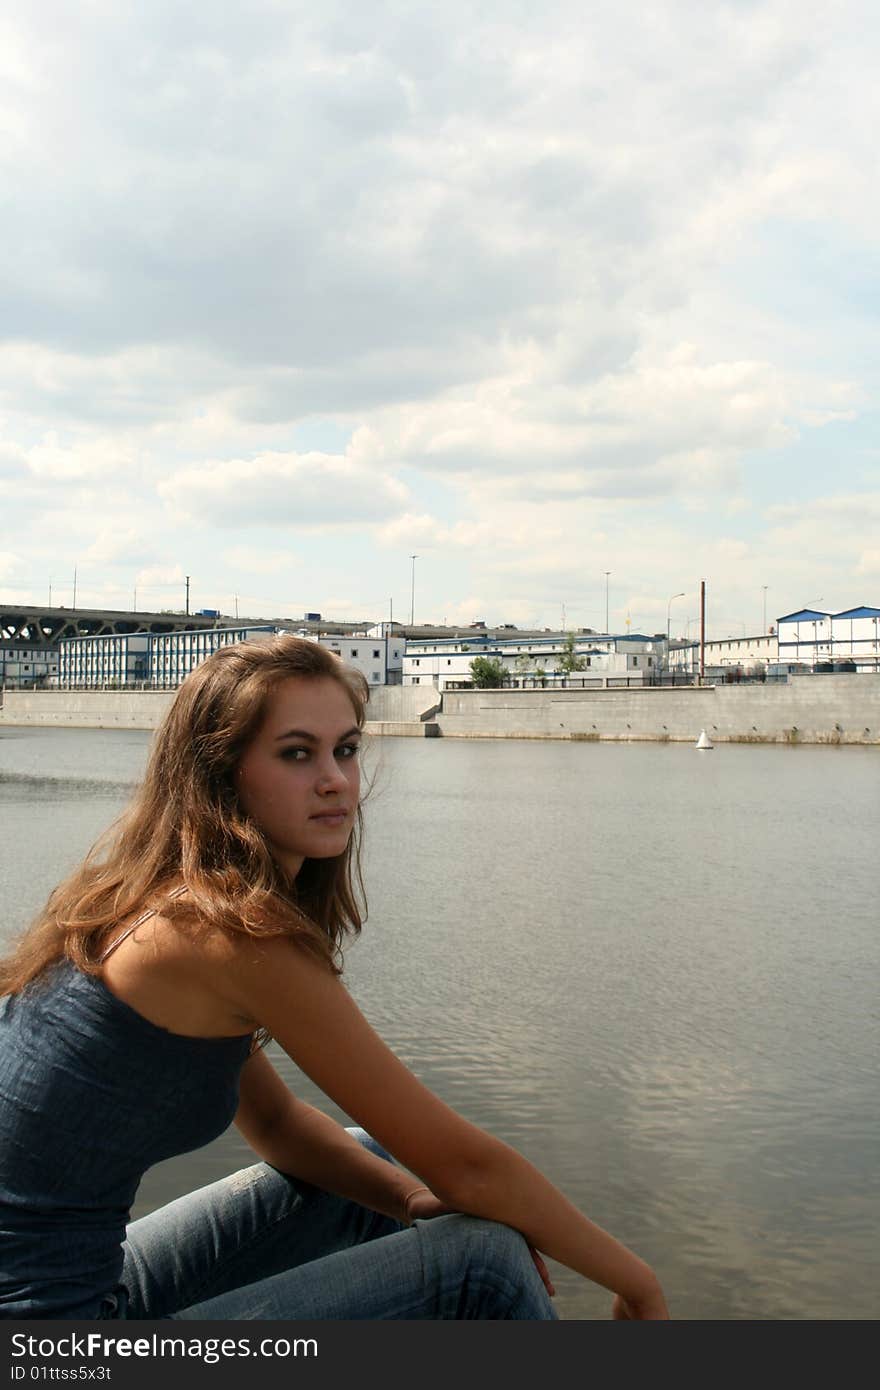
412,597
764,628
607,572
668,616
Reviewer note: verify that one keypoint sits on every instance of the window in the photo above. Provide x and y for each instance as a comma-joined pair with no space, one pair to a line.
417,662
449,661
376,677
354,651
376,653
650,661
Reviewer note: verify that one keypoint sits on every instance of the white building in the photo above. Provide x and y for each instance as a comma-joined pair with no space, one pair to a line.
23,667
813,638
446,661
377,654
747,653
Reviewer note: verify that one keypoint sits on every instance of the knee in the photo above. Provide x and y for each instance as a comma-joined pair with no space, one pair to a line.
499,1248
491,1264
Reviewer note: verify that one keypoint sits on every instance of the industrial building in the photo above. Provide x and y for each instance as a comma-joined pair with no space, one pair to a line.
161,661
446,661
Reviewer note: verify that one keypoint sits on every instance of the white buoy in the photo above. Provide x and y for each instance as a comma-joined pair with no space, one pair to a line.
704,740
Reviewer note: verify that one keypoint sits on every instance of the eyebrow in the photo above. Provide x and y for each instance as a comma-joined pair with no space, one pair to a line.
313,738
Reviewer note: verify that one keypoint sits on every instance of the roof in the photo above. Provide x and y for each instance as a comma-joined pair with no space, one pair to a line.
806,613
859,613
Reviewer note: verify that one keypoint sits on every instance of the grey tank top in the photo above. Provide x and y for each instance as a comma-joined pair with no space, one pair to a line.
91,1095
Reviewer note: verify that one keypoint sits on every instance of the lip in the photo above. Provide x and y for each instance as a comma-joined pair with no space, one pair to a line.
331,817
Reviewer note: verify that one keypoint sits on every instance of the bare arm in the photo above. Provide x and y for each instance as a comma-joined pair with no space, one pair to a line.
315,1020
299,1140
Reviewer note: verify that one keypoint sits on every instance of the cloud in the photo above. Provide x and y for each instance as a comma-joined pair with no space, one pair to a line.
301,490
428,532
52,460
251,559
869,562
10,564
578,285
13,461
163,576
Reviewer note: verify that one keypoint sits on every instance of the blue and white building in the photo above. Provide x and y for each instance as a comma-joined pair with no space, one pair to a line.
813,638
27,667
162,661
142,660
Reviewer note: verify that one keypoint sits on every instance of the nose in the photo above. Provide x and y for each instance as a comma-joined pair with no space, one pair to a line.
331,777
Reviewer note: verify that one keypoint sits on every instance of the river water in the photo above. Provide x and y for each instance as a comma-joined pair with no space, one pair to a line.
652,970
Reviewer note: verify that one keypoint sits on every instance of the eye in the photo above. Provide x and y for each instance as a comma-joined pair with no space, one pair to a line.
294,755
348,750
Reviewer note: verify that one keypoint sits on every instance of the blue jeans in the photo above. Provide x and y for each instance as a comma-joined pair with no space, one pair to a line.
260,1245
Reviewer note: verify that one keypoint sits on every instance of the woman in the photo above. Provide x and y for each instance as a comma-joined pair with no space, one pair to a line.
212,918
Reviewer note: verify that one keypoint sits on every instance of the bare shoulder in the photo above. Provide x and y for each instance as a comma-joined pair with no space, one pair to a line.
177,972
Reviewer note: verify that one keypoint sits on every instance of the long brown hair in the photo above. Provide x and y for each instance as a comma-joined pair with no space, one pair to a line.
185,826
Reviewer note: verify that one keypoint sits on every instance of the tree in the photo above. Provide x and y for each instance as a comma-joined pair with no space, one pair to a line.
568,660
488,672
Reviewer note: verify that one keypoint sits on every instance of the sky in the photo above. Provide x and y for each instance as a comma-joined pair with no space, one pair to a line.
576,303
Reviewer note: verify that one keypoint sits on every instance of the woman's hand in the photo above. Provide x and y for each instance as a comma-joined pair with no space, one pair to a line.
651,1307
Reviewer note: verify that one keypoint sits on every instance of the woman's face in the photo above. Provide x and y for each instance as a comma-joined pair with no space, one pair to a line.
299,778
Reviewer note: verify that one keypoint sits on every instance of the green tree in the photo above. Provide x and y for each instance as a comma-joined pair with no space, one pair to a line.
488,672
568,660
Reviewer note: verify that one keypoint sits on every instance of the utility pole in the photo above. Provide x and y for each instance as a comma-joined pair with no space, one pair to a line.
607,572
236,607
412,600
764,628
702,630
187,595
74,586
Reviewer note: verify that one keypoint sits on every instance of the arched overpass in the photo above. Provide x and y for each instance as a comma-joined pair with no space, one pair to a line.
32,625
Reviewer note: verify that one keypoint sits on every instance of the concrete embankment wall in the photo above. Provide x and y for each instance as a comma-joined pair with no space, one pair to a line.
814,709
810,709
86,709
392,709
401,704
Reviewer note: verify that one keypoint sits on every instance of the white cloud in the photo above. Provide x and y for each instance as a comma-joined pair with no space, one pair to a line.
582,283
869,562
10,564
52,460
250,559
305,490
161,576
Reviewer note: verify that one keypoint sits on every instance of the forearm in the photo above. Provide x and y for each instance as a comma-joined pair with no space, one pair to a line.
313,1147
506,1187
